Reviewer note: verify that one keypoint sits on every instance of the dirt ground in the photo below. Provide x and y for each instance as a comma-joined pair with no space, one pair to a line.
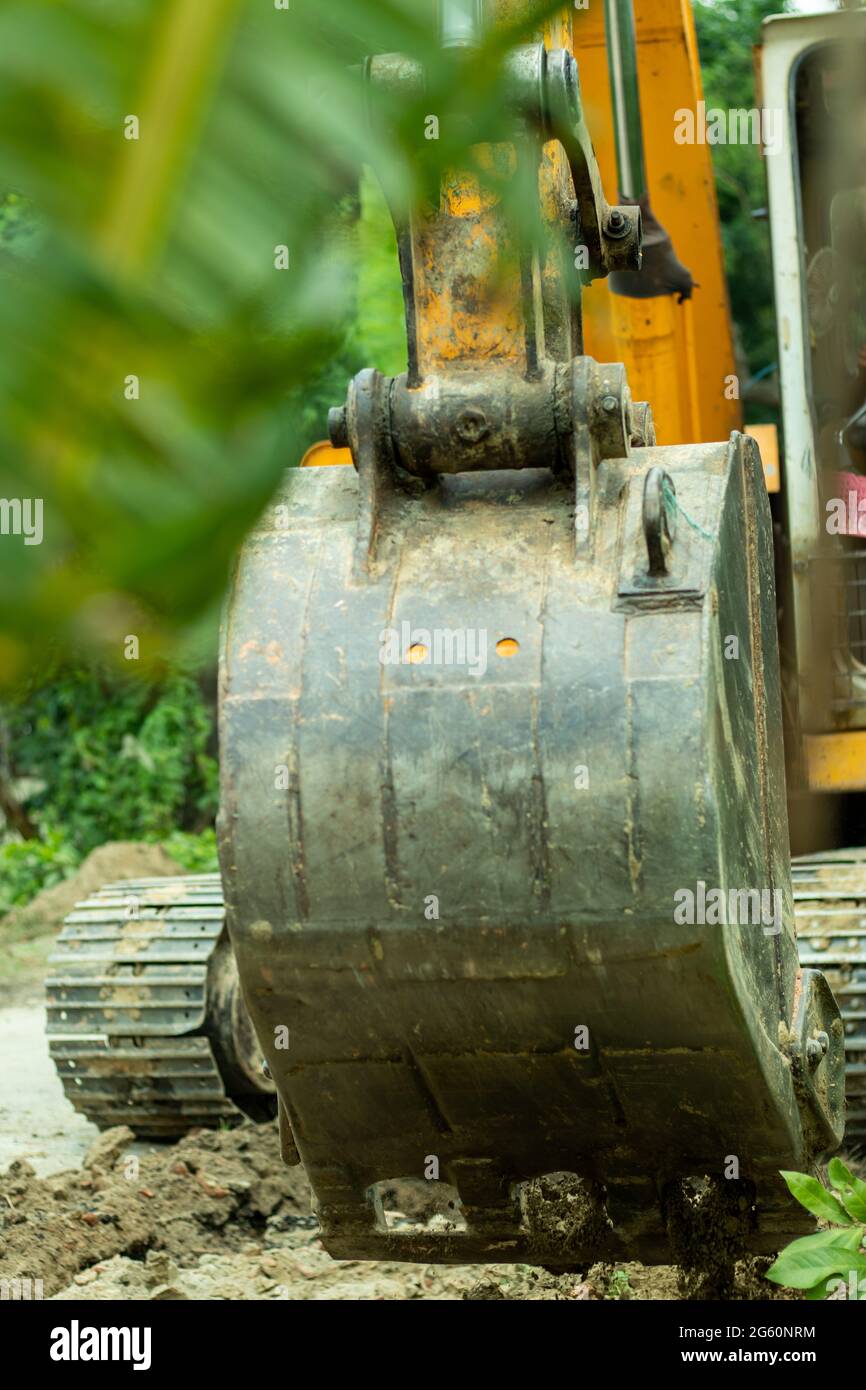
217,1216
36,1120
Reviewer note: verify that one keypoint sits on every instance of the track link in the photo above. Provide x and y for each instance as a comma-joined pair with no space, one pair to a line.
830,901
133,1026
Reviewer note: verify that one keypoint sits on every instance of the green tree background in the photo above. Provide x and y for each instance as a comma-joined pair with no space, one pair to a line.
727,33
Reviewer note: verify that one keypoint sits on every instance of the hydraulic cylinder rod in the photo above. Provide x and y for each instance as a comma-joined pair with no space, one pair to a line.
625,90
460,23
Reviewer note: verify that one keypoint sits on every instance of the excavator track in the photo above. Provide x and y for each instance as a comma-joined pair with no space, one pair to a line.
146,1024
830,899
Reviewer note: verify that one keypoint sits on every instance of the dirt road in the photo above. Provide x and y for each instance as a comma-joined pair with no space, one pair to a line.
37,1122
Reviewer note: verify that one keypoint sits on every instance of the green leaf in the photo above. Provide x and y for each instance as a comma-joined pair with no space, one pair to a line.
840,1174
808,1261
815,1198
852,1192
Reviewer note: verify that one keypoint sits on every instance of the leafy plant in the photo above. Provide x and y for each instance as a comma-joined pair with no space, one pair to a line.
818,1262
620,1285
114,758
196,853
28,866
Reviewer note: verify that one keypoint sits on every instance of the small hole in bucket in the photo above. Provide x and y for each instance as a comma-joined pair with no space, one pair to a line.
507,646
417,653
415,1204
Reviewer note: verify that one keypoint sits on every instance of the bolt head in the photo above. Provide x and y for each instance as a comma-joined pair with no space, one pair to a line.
617,223
472,426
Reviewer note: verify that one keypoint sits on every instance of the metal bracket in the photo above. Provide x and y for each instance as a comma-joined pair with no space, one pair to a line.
545,89
659,520
817,1051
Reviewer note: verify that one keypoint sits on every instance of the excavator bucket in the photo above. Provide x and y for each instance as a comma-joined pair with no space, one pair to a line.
503,828
468,895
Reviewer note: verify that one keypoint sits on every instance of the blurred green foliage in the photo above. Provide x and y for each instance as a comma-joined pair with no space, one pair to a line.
380,331
195,853
19,225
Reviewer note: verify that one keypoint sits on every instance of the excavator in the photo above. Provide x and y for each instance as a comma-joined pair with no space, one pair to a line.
506,899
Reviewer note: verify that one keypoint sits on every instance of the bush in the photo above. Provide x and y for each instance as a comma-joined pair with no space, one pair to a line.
197,853
28,866
114,758
111,759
